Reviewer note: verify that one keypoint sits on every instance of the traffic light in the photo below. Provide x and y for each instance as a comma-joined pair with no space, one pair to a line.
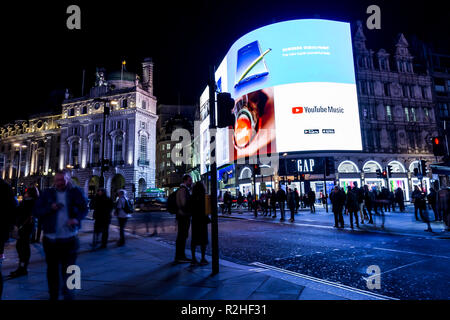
423,167
302,177
438,146
225,105
256,169
416,172
329,166
379,175
384,174
389,170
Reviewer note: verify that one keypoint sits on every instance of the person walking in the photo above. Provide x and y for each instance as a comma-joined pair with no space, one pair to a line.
249,201
102,206
416,195
36,223
291,203
368,203
227,201
392,200
442,208
281,199
337,198
297,200
312,200
24,223
399,198
183,218
432,199
9,204
360,196
351,204
273,203
61,209
199,234
240,202
122,212
422,199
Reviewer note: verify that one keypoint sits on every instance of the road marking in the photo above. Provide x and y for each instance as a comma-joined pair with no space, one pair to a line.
406,265
330,283
410,252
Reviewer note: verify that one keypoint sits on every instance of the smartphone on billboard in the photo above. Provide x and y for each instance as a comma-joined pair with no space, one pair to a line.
250,63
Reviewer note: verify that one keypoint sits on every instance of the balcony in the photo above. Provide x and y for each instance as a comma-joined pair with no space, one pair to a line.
143,162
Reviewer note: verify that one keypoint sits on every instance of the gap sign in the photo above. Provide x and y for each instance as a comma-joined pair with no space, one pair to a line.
303,165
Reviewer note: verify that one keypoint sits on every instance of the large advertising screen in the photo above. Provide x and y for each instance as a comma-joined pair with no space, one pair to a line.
294,88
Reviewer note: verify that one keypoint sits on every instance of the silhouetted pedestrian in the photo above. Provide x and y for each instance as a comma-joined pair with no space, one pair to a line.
337,198
102,206
312,200
123,213
199,235
281,199
351,204
183,218
291,203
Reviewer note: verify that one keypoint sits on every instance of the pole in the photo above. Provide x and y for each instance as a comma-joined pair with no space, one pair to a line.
17,173
102,168
214,219
325,183
255,206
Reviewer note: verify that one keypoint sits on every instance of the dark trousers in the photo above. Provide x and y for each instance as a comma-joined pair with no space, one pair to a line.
338,217
281,204
417,208
312,207
292,209
182,235
59,255
122,223
369,211
37,230
23,245
101,227
352,212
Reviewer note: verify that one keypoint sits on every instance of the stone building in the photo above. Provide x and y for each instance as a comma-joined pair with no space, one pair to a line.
130,136
29,150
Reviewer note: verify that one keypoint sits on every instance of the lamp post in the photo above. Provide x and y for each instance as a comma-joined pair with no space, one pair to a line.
106,112
19,148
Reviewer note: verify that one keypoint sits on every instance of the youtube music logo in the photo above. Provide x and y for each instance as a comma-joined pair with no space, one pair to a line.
296,110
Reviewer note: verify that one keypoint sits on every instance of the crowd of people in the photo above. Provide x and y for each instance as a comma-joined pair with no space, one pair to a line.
57,212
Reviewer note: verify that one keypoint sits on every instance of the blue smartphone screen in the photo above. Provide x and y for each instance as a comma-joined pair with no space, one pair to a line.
246,56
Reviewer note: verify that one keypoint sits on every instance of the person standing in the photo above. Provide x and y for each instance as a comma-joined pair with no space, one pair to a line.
423,210
9,204
400,199
183,218
337,200
240,202
24,223
351,205
291,203
122,212
102,206
227,201
249,201
443,197
199,235
61,209
281,199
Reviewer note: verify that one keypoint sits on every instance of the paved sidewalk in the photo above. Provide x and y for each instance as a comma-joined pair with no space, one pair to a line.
144,269
403,223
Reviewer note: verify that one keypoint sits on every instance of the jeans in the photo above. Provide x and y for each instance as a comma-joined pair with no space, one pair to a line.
103,228
182,235
338,217
281,203
351,213
59,255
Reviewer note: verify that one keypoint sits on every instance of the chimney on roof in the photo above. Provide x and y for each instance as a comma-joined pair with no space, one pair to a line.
147,75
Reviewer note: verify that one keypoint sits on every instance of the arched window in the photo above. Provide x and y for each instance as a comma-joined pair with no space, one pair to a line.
75,151
397,167
371,167
143,149
347,167
118,149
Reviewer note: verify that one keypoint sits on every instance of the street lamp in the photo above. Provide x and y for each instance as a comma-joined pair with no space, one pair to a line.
106,112
19,148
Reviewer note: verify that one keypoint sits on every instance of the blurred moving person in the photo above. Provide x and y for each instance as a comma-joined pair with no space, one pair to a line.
122,212
183,217
199,229
102,206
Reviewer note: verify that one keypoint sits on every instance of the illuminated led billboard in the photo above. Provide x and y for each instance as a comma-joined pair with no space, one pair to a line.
294,87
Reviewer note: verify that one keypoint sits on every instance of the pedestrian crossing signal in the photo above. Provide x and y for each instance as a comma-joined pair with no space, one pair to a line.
438,146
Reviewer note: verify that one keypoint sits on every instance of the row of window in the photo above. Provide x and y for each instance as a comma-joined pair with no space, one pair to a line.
383,63
84,109
366,88
409,112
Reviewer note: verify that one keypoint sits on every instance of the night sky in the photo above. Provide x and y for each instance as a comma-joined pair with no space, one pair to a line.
43,57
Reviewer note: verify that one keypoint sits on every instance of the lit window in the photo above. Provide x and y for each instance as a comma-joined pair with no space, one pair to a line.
143,149
407,114
168,155
413,114
144,104
167,164
168,146
389,113
162,147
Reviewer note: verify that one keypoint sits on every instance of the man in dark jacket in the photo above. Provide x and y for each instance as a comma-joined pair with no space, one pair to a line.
102,206
61,210
400,199
337,198
297,200
9,203
183,217
281,199
432,197
351,204
416,198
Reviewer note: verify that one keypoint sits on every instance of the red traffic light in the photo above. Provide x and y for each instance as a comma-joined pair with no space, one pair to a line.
384,173
436,141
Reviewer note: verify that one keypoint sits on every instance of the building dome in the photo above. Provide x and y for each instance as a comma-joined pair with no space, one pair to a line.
118,75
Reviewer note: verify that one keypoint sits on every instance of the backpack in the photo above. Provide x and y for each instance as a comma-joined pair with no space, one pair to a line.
128,207
172,203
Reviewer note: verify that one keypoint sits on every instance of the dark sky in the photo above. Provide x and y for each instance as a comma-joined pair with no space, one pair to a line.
43,57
